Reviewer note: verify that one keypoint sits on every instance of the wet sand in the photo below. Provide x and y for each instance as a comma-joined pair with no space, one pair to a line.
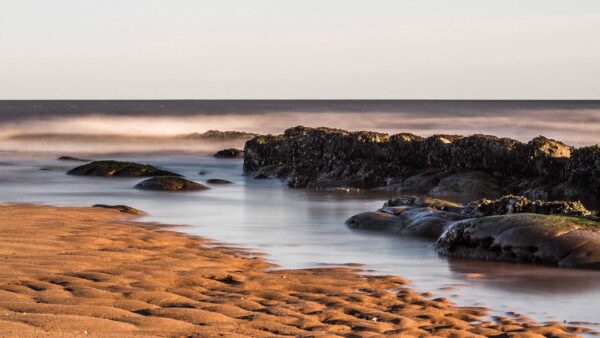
95,272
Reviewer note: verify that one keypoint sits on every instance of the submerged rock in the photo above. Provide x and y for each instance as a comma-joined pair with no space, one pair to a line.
71,158
229,153
170,183
120,169
218,181
122,208
559,240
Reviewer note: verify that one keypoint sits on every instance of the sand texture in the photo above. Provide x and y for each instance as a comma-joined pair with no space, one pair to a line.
69,272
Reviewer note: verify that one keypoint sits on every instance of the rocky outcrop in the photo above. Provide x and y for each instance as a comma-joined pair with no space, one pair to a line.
229,153
478,165
558,240
510,228
170,183
119,169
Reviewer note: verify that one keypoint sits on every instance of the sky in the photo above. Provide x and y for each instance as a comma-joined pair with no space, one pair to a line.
290,49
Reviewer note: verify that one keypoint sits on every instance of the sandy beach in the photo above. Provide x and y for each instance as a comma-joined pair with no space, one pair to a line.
97,272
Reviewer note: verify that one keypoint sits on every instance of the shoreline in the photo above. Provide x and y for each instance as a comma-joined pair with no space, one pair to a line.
90,271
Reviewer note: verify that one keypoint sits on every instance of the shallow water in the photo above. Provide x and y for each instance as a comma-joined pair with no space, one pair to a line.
305,228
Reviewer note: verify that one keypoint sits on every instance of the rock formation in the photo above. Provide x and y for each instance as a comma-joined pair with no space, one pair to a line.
510,228
441,165
119,169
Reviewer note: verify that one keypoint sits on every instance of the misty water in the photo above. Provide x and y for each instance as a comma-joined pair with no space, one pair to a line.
305,228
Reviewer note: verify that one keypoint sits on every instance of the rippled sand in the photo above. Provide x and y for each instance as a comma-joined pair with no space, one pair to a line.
94,272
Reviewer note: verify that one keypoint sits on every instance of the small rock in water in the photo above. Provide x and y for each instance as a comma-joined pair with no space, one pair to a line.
218,181
122,208
229,153
71,158
170,183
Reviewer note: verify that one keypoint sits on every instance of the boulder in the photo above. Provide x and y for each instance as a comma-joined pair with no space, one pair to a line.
170,183
229,153
119,169
558,240
415,221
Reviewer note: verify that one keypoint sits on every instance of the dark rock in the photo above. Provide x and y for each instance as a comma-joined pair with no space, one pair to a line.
229,153
559,240
421,183
170,183
471,183
202,172
583,168
120,169
70,158
414,221
218,181
122,208
510,228
261,177
482,165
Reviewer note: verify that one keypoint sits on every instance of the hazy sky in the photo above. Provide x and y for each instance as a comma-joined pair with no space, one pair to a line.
83,49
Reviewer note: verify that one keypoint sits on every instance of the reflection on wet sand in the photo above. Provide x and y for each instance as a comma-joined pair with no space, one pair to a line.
532,279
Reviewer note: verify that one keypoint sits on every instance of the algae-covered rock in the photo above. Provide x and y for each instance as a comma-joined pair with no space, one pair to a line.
519,204
170,183
477,165
119,169
561,240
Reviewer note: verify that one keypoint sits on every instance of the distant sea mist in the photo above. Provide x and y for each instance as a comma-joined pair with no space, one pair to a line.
128,126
